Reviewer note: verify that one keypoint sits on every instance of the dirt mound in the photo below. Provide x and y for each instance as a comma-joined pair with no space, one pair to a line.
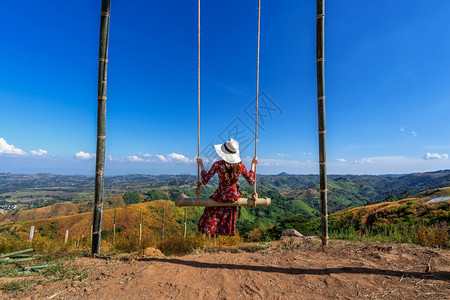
283,271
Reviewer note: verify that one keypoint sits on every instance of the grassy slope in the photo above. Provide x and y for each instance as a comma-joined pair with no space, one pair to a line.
57,210
127,221
408,220
408,210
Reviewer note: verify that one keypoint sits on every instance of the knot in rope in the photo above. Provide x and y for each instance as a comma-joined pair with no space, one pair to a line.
197,188
254,198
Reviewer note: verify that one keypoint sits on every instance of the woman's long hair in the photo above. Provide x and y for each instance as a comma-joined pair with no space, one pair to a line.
232,172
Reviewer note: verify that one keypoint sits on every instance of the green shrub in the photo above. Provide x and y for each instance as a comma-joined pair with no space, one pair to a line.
131,198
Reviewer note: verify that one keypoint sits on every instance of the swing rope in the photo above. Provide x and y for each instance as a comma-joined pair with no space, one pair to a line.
255,194
199,184
197,189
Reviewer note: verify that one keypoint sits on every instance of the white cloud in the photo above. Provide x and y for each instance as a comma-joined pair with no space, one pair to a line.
413,133
40,152
134,158
149,158
84,156
389,165
283,154
172,157
402,129
429,155
278,162
364,161
6,148
161,158
178,157
341,160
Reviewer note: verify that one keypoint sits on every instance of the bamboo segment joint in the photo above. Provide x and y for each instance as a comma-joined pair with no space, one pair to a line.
325,190
320,16
101,137
321,98
320,59
99,172
322,131
103,59
101,97
98,204
324,216
105,14
322,162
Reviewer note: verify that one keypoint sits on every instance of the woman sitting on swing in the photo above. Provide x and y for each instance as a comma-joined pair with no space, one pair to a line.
222,220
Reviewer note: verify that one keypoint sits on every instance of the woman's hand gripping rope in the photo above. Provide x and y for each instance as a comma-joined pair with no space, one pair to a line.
253,168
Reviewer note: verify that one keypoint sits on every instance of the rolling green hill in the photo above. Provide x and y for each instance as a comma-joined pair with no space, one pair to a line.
295,198
345,191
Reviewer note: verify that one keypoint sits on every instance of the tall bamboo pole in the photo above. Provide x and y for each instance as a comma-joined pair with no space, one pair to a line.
101,126
320,59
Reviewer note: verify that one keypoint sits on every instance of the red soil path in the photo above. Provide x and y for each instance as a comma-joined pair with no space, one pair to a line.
344,271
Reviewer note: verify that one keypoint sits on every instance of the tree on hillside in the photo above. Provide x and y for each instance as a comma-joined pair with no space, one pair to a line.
131,198
156,195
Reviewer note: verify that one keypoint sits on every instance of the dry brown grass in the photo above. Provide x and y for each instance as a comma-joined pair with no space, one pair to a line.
58,209
50,232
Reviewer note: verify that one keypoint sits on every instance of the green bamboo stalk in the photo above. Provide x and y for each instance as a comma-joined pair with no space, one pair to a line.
37,267
16,253
10,261
101,126
320,59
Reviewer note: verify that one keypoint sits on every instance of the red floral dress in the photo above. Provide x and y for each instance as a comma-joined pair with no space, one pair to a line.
222,219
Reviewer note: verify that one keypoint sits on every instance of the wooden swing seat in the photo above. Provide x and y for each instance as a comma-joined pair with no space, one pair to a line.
260,202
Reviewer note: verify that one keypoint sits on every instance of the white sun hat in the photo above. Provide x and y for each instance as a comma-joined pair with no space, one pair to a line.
229,151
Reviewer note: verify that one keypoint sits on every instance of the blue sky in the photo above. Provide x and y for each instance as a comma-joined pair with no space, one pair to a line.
387,85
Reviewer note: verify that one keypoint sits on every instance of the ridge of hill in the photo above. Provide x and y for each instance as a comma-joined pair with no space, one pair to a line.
411,210
59,209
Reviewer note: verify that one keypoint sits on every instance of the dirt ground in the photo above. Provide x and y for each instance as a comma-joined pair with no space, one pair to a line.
282,271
